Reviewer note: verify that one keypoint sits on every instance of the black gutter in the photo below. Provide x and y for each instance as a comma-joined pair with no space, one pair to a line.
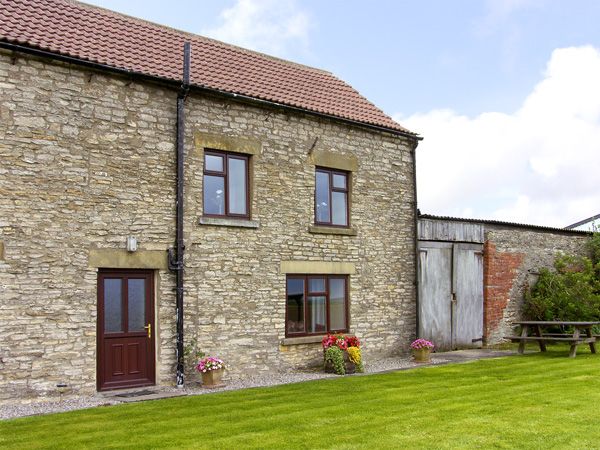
176,261
198,88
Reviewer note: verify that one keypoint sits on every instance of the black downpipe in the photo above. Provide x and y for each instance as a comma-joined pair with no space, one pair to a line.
176,261
416,238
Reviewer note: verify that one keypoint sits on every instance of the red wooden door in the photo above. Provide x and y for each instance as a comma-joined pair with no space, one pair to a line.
125,329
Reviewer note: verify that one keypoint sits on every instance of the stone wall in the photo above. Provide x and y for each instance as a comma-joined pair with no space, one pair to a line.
87,159
512,259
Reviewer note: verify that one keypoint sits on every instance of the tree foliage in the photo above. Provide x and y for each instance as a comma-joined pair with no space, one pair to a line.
570,292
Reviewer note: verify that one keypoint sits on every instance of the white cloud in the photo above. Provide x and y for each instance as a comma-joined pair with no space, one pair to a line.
269,26
539,165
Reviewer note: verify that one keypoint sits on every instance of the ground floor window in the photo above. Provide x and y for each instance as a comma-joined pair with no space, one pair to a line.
316,304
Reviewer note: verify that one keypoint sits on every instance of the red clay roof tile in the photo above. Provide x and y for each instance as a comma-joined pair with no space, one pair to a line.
98,35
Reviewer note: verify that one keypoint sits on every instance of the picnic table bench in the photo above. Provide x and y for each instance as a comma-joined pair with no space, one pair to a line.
582,334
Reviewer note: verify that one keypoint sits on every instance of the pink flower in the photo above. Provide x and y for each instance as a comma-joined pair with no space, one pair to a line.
420,344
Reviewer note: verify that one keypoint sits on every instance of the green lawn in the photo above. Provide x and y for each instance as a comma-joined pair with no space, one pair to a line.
533,401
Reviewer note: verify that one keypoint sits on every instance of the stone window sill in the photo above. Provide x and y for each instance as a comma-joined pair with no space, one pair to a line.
318,229
227,222
302,340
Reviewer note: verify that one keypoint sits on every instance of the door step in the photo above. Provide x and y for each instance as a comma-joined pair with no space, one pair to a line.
131,396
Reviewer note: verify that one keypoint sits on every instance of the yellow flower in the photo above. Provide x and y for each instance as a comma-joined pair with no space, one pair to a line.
354,355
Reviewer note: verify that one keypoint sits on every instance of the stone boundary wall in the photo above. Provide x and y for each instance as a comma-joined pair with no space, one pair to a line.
513,257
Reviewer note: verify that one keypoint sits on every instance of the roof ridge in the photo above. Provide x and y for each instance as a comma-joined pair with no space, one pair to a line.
196,36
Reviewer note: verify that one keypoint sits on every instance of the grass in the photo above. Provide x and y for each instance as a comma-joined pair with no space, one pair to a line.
532,401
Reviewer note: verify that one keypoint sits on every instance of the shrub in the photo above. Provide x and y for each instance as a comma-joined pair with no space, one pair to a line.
571,291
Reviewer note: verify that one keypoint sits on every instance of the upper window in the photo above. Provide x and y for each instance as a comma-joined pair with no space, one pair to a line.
331,198
225,184
316,304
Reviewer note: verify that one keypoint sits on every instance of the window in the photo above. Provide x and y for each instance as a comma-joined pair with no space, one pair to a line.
316,304
225,184
331,198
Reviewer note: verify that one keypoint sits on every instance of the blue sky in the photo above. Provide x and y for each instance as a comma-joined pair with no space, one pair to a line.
460,73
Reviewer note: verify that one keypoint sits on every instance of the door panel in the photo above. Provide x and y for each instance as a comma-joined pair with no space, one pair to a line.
435,291
468,288
125,324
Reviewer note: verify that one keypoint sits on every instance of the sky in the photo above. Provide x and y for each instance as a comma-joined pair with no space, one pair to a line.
506,93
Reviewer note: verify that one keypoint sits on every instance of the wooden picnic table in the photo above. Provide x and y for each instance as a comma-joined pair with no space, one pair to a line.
582,334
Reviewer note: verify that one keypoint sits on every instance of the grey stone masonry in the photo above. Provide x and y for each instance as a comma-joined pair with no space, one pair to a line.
88,158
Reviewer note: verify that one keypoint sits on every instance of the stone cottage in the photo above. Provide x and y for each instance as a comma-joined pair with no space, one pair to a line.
294,214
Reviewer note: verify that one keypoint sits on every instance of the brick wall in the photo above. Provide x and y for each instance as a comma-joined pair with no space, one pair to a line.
500,271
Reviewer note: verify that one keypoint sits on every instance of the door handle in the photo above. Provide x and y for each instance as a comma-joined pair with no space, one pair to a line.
149,330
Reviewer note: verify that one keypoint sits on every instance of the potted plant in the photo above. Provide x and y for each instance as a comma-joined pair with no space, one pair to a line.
421,349
212,370
341,354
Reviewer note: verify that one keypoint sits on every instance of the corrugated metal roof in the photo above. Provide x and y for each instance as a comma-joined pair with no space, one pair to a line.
503,223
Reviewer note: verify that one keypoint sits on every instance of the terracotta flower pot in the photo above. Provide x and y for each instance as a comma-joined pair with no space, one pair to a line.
212,379
422,355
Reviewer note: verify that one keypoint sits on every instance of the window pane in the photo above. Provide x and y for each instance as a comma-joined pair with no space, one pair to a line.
236,179
213,162
322,197
295,305
337,304
136,304
316,285
113,305
214,195
317,319
339,211
339,181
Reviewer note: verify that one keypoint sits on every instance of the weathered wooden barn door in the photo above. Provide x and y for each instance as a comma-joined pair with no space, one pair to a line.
467,301
451,284
435,292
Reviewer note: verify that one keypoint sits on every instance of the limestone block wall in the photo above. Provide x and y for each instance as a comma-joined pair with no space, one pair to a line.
87,159
235,303
512,259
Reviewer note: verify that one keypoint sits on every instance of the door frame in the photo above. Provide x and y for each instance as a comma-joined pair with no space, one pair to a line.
151,355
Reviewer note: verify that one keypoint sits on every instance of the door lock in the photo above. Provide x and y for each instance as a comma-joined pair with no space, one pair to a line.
453,300
149,330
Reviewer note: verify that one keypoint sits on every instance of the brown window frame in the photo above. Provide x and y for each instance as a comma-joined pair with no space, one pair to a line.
225,175
307,292
346,190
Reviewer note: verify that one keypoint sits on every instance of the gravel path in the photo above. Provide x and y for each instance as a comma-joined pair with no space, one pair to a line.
20,409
